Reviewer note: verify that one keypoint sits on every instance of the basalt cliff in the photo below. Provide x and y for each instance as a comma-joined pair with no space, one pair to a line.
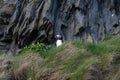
24,22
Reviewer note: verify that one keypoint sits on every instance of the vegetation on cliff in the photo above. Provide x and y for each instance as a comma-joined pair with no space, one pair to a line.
71,61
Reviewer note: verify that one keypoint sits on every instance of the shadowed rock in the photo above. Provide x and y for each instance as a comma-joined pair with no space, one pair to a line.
25,22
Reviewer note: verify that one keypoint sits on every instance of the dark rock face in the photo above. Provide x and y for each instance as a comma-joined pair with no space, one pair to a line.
25,22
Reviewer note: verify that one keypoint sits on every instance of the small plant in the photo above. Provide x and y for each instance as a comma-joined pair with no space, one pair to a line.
37,1
41,49
96,49
35,48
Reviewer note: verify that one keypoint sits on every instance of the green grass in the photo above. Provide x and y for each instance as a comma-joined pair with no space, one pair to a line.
81,70
75,62
37,1
33,75
51,51
109,46
41,49
34,47
95,49
54,58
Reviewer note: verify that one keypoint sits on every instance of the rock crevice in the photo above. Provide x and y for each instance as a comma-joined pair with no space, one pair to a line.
25,22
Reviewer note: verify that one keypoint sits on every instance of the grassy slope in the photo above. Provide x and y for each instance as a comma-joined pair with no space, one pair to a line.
71,61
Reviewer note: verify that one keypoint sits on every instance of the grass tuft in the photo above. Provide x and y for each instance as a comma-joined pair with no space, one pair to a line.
109,46
41,49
